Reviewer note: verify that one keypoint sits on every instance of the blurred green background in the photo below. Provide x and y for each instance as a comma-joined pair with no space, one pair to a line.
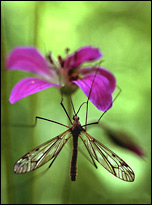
121,29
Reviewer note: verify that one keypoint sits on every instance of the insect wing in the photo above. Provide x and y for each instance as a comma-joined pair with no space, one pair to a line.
108,159
41,154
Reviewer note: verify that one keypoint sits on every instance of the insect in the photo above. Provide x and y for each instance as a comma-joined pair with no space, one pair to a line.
49,150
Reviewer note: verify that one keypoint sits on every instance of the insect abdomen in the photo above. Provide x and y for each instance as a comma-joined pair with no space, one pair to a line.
73,172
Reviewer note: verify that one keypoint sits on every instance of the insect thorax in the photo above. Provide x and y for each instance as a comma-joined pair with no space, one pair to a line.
76,127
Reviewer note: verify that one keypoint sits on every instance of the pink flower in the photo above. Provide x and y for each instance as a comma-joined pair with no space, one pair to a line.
123,139
66,74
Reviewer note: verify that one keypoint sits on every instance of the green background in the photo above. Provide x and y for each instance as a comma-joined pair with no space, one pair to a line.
122,31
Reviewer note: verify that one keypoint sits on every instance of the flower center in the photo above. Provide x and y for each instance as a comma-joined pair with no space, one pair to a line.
73,75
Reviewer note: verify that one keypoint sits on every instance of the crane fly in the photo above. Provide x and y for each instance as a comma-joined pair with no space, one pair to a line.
49,150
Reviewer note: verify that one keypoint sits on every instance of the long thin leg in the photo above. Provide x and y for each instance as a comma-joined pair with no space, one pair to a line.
37,117
89,97
97,122
65,110
72,105
49,121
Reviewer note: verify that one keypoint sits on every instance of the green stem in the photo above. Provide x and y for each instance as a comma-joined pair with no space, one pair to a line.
67,184
33,98
6,150
36,23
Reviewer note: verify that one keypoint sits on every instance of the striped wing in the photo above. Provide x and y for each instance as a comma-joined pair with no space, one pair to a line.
108,159
42,154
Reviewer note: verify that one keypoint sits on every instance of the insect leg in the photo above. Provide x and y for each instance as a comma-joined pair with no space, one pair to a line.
65,110
110,104
89,97
97,122
41,118
49,121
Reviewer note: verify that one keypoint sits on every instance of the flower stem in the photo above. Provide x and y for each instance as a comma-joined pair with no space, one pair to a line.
34,98
6,138
67,184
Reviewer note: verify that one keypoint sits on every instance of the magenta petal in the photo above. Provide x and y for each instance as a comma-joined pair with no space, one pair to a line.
28,59
101,95
28,86
137,150
85,54
103,72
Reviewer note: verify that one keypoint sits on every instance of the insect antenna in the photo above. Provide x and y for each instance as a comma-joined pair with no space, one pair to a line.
80,107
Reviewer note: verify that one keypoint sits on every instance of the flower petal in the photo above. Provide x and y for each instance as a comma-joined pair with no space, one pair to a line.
28,86
123,139
103,72
101,94
85,54
28,59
